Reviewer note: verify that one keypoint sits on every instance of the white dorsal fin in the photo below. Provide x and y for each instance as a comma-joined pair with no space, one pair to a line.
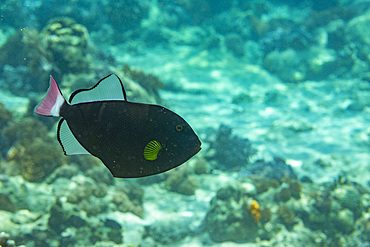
68,141
108,88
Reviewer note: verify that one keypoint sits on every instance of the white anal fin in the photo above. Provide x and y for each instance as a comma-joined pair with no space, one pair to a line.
69,143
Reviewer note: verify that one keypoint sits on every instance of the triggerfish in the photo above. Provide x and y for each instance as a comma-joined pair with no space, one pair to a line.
131,139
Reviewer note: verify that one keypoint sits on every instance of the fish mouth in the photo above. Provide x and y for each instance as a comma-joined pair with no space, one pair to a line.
198,148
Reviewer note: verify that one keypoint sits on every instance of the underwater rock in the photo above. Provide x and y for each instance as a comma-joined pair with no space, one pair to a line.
230,151
181,181
288,65
230,208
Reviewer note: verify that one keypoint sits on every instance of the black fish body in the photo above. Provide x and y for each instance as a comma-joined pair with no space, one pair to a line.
131,139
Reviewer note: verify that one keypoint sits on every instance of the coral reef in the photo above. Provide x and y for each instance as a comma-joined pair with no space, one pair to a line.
85,195
164,232
286,36
275,170
230,208
5,241
5,117
149,82
200,166
180,181
17,81
26,138
11,51
129,199
290,188
72,226
230,151
335,209
286,216
67,41
28,57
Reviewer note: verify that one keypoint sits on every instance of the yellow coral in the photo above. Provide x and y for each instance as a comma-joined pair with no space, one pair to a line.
255,211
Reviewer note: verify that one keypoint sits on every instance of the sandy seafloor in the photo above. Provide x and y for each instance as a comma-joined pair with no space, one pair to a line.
302,123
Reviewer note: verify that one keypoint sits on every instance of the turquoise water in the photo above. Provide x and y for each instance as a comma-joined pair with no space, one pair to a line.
277,91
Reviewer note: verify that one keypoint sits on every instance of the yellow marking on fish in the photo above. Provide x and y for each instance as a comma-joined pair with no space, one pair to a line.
151,150
179,127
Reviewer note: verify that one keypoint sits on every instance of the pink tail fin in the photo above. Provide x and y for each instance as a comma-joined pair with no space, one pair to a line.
52,102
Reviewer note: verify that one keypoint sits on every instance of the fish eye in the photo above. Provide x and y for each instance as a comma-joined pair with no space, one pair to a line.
179,127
